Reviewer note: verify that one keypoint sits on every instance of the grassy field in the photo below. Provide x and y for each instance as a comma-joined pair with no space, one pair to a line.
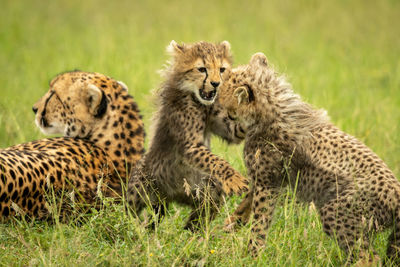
339,55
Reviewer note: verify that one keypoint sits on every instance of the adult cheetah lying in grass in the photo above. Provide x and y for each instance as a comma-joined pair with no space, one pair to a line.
289,142
104,139
179,165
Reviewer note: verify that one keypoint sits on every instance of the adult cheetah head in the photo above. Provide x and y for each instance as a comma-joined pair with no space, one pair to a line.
72,106
200,68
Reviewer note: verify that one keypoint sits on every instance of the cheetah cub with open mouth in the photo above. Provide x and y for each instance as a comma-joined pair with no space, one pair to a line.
179,165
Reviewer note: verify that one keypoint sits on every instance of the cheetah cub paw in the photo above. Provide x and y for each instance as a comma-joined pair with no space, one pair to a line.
236,184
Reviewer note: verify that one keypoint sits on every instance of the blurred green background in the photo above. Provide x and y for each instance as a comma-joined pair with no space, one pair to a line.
343,56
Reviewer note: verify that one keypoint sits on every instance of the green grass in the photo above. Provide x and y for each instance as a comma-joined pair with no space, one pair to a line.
339,55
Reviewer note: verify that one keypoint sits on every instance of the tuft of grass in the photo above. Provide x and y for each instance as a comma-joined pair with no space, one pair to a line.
339,55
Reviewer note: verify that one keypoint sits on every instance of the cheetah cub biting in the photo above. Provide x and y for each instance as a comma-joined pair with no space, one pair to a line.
179,165
289,142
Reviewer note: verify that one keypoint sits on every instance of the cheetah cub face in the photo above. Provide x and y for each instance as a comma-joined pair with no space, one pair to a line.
243,87
200,68
72,106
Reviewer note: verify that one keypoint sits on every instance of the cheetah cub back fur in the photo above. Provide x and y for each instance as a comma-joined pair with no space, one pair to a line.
103,139
179,164
353,190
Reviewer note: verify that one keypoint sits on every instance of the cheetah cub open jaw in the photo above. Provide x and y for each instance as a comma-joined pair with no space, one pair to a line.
288,142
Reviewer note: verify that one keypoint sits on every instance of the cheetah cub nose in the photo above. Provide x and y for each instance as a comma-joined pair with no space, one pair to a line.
214,84
34,110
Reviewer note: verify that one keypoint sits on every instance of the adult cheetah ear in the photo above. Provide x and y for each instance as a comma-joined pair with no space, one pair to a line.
175,49
244,94
259,59
96,101
124,86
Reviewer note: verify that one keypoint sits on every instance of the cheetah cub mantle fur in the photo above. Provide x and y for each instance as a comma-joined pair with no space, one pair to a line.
289,142
179,163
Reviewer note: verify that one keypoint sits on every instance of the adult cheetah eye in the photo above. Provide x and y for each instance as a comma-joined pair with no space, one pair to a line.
202,69
222,70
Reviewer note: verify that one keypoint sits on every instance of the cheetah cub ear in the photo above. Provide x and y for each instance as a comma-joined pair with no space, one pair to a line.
259,59
95,100
241,94
226,48
244,94
226,45
175,49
